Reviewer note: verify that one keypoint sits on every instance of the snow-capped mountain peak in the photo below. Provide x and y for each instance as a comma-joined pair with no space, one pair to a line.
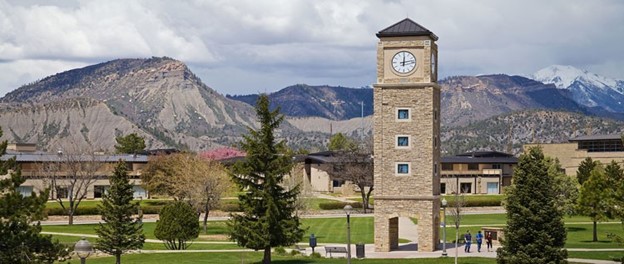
564,76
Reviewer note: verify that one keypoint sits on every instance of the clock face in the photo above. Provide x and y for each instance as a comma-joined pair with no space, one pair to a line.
403,62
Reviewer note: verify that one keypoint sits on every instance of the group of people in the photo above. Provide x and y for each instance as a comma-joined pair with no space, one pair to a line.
479,239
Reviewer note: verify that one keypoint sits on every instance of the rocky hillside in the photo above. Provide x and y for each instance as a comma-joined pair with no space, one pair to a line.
160,97
301,100
508,132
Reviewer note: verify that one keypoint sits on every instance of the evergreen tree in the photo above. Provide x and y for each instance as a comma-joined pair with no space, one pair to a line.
268,218
130,144
178,224
585,168
341,142
120,232
535,232
594,197
20,238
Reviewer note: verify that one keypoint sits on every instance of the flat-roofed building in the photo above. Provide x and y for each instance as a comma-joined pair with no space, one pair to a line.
603,148
40,168
478,172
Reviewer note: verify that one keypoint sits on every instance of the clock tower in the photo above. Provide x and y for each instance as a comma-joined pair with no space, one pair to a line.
406,124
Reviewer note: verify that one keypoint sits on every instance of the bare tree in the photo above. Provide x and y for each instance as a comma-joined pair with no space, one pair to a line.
188,177
69,175
456,211
355,165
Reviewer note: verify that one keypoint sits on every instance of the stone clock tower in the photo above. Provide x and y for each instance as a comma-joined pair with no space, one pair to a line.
407,135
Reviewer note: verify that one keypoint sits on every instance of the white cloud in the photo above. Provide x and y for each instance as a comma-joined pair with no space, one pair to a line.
245,45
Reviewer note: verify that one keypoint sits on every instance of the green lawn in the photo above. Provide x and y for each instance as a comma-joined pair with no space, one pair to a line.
71,240
256,257
604,255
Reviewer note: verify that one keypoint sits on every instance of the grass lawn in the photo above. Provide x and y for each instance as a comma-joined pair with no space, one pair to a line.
71,240
603,255
256,257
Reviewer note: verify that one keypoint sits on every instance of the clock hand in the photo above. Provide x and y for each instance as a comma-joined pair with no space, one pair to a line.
403,60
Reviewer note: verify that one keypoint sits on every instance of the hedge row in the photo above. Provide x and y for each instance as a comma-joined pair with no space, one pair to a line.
337,205
477,200
147,209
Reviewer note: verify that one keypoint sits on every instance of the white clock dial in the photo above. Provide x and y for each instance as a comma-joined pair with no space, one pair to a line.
403,62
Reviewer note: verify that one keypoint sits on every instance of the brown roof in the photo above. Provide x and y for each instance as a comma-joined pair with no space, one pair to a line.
406,27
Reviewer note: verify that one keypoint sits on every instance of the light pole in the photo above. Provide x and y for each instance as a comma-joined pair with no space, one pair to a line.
444,204
83,248
348,210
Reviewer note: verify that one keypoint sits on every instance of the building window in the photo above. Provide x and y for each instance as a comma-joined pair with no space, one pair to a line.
402,169
447,166
139,191
100,190
442,187
496,166
492,187
402,141
61,192
435,168
337,183
403,114
465,187
435,142
25,191
473,166
435,115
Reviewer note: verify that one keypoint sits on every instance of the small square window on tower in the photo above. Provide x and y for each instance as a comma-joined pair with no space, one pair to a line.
402,141
402,168
403,114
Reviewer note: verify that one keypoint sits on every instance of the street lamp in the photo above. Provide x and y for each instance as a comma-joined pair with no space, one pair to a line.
83,248
348,210
444,204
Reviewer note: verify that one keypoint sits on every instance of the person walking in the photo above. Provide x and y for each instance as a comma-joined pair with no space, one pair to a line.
468,240
479,238
488,240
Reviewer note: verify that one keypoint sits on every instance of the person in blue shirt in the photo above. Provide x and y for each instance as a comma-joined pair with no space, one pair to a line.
479,238
468,239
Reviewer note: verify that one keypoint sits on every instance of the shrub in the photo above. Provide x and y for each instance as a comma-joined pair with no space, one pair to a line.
315,255
337,205
177,225
294,252
280,251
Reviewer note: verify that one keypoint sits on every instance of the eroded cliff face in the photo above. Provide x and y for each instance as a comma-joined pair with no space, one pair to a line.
160,98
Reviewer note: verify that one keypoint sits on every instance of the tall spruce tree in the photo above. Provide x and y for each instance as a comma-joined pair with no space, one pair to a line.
584,169
535,232
120,232
20,238
269,210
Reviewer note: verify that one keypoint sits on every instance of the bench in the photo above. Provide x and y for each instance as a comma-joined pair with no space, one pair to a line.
331,250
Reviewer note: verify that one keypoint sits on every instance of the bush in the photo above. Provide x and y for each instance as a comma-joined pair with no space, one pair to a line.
280,251
90,210
477,200
338,205
177,225
315,255
294,252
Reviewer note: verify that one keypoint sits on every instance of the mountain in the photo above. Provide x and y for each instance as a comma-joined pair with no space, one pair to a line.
160,98
508,132
588,89
301,100
466,99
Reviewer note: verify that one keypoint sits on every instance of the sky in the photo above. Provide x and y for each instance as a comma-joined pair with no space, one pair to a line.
251,46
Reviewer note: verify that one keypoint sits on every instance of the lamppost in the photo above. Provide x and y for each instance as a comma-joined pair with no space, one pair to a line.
83,248
444,204
348,210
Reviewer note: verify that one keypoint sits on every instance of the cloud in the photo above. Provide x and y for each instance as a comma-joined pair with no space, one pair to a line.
239,46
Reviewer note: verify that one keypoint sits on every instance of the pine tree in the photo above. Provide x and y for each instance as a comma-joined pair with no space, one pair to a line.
20,238
535,232
120,232
177,225
130,144
585,168
269,210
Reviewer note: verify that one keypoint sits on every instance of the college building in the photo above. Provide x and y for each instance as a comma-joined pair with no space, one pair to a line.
43,169
603,148
477,172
